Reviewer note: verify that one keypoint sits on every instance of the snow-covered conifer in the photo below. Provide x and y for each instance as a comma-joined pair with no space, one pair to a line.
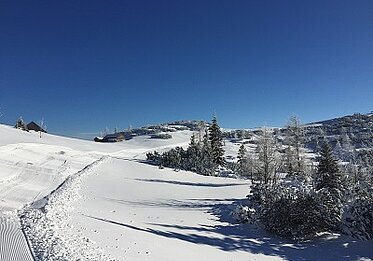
328,174
242,163
330,185
208,164
358,218
216,142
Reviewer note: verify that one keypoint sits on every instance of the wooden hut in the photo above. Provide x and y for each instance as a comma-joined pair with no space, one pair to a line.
35,127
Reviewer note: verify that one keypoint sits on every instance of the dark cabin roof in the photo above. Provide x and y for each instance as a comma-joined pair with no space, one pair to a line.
33,126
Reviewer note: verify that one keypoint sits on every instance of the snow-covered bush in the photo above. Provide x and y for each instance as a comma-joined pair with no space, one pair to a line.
331,187
358,217
203,157
199,157
285,209
196,158
162,136
154,158
294,216
299,208
330,203
360,220
245,214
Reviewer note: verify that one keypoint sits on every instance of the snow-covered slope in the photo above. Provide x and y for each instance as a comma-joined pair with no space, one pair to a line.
81,200
32,167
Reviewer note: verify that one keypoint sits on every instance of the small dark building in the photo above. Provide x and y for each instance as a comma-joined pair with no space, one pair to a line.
35,127
115,137
98,139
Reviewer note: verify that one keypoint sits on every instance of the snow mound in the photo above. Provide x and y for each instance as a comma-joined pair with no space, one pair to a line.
47,225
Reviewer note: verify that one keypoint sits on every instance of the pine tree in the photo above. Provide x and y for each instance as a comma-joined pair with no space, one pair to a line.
242,163
330,186
328,173
216,142
192,141
241,153
193,155
207,164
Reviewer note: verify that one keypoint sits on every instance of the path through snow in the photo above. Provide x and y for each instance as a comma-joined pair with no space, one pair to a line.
134,211
47,223
13,244
31,167
125,210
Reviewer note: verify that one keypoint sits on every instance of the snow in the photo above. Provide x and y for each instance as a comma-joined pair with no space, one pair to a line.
81,200
13,244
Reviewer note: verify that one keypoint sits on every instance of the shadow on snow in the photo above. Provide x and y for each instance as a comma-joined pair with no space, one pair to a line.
228,236
194,184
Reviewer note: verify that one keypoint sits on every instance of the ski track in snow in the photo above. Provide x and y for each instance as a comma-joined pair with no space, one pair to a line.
13,245
185,225
30,168
46,223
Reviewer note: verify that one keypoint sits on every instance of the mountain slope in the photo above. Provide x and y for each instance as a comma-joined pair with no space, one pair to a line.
124,209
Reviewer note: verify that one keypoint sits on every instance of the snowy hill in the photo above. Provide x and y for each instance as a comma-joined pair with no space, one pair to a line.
32,167
69,199
356,129
351,137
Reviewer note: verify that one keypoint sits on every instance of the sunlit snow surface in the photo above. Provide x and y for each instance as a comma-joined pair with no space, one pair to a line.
80,200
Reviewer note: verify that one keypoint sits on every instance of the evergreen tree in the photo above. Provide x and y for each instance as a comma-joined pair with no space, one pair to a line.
328,173
330,186
193,155
216,142
192,141
242,163
207,165
198,157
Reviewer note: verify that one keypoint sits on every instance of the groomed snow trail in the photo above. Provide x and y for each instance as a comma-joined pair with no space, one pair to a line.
136,211
28,172
31,167
121,209
47,223
13,245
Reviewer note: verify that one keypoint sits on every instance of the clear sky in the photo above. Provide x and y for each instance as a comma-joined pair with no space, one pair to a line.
85,65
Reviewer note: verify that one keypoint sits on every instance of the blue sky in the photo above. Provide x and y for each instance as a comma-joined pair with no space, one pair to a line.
85,65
